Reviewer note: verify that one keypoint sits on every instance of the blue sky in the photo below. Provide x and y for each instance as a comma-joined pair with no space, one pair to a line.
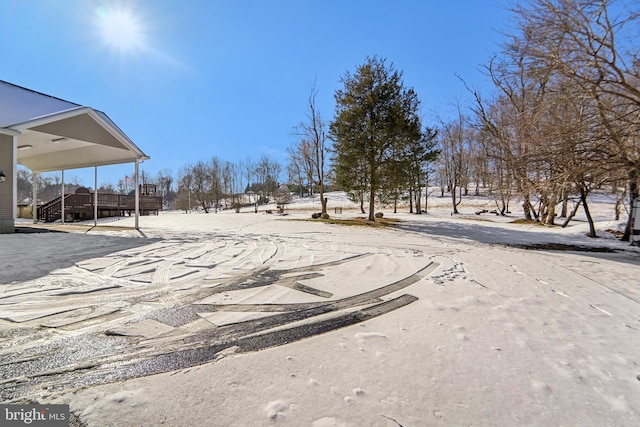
192,79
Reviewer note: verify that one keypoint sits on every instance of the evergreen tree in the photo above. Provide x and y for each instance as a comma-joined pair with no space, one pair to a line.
375,118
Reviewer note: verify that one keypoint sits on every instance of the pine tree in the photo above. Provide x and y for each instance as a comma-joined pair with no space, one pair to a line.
375,118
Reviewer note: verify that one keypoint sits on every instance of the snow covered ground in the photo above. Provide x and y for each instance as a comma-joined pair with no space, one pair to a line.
262,319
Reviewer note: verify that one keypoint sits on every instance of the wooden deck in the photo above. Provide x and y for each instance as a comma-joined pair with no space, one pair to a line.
80,205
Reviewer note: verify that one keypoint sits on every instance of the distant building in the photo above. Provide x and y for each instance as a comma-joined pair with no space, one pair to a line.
44,134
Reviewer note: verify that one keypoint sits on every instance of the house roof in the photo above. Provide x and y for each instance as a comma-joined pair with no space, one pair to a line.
54,134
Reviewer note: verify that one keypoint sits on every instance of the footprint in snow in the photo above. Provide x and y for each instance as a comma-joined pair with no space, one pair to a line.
328,422
358,391
366,336
276,409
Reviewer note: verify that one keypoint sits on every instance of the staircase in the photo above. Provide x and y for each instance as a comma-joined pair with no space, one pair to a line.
50,211
74,205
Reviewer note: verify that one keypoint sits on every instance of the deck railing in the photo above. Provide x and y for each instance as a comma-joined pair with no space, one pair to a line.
80,206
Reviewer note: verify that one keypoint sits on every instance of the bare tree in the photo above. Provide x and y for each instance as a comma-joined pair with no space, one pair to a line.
295,170
300,164
312,148
267,172
215,169
283,197
201,184
248,170
165,182
233,183
106,187
183,199
592,43
455,156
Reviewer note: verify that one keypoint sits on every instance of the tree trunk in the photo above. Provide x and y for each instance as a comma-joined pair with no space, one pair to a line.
410,200
565,206
532,209
592,228
372,204
618,208
551,211
453,201
526,207
426,198
572,214
633,194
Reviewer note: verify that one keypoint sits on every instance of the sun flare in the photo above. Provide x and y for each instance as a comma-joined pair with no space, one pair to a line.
120,29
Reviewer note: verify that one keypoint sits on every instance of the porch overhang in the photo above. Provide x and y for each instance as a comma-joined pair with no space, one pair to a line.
77,138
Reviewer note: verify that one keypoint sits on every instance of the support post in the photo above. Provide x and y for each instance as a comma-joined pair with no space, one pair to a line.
62,199
34,197
95,196
137,198
14,173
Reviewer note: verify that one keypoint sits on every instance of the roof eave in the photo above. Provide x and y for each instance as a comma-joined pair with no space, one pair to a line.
49,118
10,132
99,117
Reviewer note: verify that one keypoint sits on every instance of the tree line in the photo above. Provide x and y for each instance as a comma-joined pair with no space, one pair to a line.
217,184
564,118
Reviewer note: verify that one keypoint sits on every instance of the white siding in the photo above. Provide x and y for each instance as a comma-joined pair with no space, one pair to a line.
6,187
